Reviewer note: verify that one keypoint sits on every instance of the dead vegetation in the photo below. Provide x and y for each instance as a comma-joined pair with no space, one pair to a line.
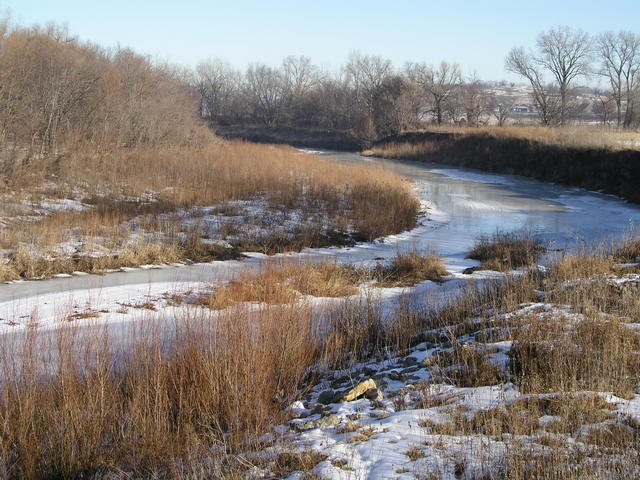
284,282
506,251
410,268
105,163
594,159
576,354
339,200
225,383
571,136
558,358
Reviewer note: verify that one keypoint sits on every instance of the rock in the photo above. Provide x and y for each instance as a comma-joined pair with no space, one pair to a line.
326,397
320,409
409,361
393,375
339,394
368,371
378,415
373,394
340,381
408,370
324,422
359,390
331,420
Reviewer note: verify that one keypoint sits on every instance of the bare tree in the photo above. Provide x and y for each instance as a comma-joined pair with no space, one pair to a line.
567,54
523,63
367,75
439,83
218,84
605,106
619,55
475,100
501,108
299,76
264,85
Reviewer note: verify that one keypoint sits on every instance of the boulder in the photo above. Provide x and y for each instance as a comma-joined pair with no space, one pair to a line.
323,422
373,394
326,397
359,390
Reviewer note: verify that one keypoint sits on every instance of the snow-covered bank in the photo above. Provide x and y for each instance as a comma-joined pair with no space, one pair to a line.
454,407
47,303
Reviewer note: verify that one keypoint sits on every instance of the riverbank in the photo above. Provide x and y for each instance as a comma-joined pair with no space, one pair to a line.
610,170
529,375
294,136
89,214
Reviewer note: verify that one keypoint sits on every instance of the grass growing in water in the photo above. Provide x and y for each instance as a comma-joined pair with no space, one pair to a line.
506,251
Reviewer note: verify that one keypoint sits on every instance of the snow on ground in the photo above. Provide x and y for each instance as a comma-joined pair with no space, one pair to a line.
389,433
48,303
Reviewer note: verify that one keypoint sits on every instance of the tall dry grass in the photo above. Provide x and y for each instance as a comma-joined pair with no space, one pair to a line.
572,136
190,396
192,393
187,390
347,201
506,251
600,160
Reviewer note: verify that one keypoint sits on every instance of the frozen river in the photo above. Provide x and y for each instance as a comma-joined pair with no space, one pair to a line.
464,204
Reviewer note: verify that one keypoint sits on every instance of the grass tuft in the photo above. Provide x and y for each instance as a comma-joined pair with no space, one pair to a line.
506,251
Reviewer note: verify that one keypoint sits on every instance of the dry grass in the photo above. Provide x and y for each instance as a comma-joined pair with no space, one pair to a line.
410,268
581,266
580,136
159,405
128,189
198,398
506,251
575,354
284,282
572,462
172,394
465,366
304,461
629,249
281,282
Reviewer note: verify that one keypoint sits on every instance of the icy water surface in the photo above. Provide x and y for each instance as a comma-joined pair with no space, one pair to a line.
481,203
466,203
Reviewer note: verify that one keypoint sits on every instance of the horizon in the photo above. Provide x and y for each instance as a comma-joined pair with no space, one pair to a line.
411,31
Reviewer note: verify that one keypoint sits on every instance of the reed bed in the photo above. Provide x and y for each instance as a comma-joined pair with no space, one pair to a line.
572,136
136,199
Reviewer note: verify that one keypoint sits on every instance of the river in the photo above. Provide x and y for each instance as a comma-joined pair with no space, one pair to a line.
466,203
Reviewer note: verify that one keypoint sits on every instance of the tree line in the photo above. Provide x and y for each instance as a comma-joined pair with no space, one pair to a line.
370,98
56,89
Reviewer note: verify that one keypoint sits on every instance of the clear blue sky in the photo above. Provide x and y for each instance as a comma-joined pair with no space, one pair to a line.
475,33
